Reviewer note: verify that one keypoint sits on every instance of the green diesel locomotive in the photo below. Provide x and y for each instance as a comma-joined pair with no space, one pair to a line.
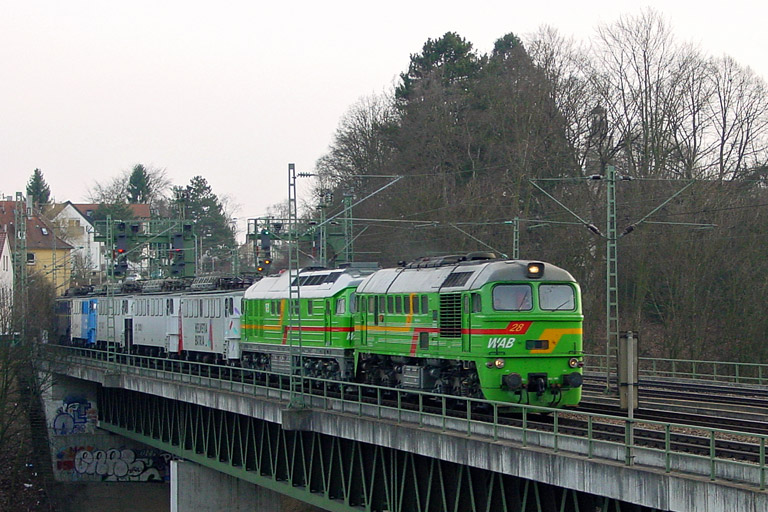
470,326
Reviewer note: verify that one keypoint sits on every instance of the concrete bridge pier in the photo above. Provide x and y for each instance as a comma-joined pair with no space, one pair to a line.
196,488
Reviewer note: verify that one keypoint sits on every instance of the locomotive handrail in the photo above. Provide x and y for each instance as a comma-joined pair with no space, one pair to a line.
720,371
432,411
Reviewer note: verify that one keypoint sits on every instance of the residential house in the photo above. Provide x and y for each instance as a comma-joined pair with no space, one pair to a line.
75,224
72,226
6,284
46,254
139,211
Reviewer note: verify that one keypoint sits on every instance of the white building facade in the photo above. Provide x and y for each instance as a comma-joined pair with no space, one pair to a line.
6,284
87,256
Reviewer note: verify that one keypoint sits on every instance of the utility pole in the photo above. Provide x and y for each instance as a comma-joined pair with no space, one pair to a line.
348,232
326,198
612,237
516,239
294,295
612,276
21,294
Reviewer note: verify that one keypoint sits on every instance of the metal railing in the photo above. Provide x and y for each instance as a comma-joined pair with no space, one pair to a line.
472,417
719,371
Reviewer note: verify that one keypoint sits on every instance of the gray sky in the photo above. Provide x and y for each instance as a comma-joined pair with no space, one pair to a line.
234,90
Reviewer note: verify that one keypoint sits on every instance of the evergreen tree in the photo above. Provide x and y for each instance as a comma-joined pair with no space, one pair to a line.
211,225
449,59
139,185
38,189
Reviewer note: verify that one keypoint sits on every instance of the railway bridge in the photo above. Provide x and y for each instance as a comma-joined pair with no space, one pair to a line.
237,439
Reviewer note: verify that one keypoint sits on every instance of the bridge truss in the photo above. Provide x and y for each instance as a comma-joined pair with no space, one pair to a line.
327,471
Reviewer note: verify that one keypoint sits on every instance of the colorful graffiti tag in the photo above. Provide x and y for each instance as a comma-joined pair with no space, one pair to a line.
113,465
75,416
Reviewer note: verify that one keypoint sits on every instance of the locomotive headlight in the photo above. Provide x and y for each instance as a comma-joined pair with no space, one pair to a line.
498,364
535,270
573,362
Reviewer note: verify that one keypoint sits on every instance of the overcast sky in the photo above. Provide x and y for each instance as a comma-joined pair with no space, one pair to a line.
234,90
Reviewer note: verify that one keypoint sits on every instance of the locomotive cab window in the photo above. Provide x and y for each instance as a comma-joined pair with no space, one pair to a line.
512,297
556,297
341,306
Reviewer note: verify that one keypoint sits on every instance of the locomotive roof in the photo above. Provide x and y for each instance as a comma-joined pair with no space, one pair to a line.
312,284
469,275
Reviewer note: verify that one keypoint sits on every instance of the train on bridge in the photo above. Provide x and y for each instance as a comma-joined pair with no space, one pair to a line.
474,325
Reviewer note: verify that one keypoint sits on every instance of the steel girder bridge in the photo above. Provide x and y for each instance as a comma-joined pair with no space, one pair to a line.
327,471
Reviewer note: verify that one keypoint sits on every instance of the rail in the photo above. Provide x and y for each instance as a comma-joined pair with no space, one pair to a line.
720,371
473,417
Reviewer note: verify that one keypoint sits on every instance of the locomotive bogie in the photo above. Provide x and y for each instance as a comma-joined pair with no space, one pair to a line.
316,362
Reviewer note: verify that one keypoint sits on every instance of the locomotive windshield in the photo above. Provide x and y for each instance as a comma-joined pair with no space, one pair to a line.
512,297
556,297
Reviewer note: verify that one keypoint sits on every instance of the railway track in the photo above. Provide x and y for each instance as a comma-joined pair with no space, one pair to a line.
743,409
686,440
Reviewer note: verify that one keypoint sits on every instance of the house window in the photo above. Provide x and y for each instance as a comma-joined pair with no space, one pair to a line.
30,258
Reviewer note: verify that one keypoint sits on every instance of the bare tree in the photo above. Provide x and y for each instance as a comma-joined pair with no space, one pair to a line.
691,121
115,191
740,116
566,65
637,63
360,145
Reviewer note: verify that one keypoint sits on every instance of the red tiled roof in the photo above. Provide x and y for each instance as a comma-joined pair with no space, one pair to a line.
40,233
140,211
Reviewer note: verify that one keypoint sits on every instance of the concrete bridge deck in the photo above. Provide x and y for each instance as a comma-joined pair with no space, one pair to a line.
655,479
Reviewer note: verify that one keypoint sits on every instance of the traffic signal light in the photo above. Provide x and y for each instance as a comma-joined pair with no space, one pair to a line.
176,255
121,244
121,267
262,267
265,239
177,263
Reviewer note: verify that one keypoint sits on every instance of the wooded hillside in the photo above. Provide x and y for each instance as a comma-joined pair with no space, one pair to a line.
482,139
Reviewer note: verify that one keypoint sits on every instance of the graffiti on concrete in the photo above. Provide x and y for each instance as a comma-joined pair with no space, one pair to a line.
114,464
75,416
